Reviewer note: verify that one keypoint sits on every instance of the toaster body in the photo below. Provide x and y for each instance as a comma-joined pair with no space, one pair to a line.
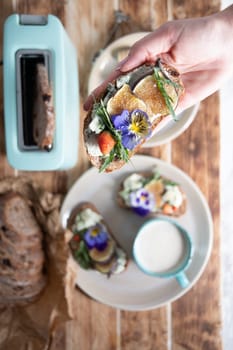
30,40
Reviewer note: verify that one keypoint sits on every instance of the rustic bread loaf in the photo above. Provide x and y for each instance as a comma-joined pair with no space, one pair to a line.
22,276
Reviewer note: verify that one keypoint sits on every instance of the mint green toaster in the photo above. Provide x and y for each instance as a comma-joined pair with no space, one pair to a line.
30,40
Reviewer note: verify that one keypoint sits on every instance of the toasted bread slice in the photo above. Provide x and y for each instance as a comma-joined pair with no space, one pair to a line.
92,244
151,194
131,108
148,91
125,99
44,116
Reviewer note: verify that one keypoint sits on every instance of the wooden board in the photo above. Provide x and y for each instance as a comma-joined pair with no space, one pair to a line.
194,321
196,318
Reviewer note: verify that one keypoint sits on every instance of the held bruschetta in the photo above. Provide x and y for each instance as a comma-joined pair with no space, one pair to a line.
151,194
127,113
92,243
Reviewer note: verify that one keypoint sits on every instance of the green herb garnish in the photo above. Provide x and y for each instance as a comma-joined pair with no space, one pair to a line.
153,177
82,256
161,82
169,183
119,150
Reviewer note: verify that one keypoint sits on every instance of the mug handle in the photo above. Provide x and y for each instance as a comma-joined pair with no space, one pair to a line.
182,279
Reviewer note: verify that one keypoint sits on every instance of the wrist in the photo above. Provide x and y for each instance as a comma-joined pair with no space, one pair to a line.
224,20
222,25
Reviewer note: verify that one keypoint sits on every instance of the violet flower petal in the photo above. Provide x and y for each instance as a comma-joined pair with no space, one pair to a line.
96,237
121,120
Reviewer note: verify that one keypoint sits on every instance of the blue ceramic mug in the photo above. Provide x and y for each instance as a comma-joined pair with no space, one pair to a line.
163,248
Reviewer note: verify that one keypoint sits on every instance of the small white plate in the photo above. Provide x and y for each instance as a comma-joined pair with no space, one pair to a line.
133,290
107,62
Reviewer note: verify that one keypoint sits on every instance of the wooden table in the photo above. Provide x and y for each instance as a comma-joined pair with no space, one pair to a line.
194,321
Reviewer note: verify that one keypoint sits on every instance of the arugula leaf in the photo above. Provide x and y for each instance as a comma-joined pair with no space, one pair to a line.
108,160
161,82
82,256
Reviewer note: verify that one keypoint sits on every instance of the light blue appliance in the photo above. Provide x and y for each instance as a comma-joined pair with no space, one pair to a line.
29,39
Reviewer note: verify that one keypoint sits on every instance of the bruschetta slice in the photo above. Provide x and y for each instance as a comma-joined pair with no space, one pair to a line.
92,244
128,112
151,194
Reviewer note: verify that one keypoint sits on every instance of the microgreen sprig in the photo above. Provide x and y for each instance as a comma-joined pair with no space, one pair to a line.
161,82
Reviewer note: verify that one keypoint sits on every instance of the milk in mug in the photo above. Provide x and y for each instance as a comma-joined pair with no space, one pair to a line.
159,247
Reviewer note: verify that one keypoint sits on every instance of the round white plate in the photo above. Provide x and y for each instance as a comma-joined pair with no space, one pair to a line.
170,129
133,290
107,62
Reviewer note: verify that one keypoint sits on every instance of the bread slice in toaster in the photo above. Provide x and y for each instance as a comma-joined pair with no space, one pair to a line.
43,111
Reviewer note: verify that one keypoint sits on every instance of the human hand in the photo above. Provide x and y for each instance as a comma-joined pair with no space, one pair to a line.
200,49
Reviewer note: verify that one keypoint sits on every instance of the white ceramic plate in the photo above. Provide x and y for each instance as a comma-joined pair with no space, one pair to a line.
172,129
107,62
132,290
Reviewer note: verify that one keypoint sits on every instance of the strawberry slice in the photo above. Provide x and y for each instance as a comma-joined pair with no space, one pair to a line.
106,142
168,209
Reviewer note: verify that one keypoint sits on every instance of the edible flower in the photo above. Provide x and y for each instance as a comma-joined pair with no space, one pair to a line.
142,201
133,127
96,237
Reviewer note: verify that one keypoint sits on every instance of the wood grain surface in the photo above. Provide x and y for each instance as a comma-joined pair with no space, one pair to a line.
194,321
196,318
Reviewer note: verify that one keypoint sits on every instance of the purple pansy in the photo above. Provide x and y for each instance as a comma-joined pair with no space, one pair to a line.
96,237
133,127
142,201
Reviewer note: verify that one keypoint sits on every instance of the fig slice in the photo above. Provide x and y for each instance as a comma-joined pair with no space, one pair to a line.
102,256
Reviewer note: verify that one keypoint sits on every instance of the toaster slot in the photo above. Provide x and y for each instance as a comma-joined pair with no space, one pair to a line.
27,61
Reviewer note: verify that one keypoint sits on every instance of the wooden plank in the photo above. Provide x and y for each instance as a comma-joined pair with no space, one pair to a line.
196,316
42,7
145,330
88,24
196,8
139,12
195,324
95,324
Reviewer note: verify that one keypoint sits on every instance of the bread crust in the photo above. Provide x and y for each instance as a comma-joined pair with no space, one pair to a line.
97,161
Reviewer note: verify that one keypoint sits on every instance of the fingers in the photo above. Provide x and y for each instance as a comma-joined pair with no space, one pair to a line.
148,49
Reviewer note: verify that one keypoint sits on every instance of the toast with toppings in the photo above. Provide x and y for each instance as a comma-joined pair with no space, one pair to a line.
151,194
92,244
128,112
